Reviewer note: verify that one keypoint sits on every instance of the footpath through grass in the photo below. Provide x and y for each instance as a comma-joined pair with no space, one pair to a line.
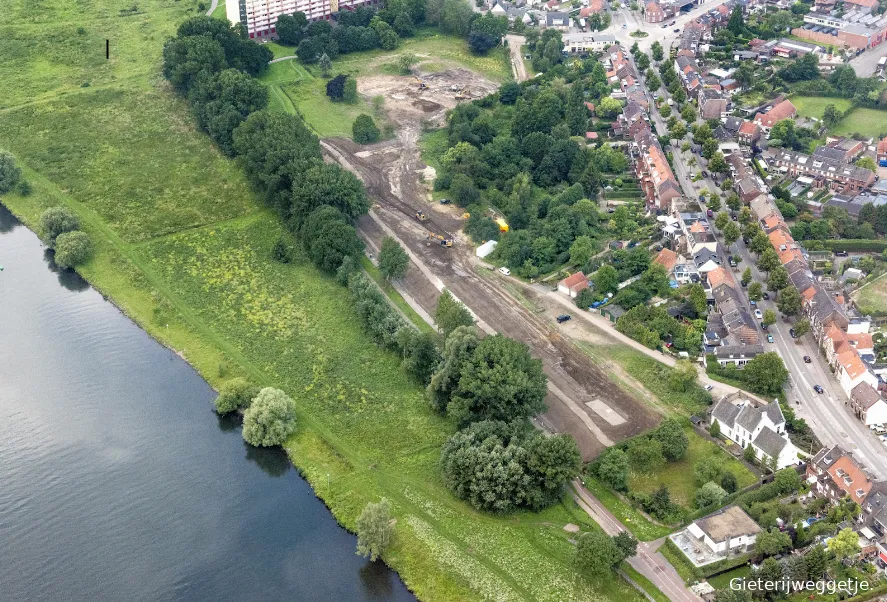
183,247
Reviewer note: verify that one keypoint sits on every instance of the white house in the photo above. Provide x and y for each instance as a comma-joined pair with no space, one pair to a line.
573,285
850,371
868,405
730,530
762,428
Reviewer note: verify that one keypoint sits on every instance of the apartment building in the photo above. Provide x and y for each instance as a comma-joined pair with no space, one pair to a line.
260,16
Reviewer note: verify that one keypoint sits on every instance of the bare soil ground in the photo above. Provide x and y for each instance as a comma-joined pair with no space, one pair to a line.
394,176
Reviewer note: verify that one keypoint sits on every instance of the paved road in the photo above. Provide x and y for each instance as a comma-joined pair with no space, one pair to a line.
518,68
828,414
866,63
656,32
212,7
648,561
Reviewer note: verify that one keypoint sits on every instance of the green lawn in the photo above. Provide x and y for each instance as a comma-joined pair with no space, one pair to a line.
722,581
678,476
297,88
872,298
814,106
863,121
637,523
221,11
184,248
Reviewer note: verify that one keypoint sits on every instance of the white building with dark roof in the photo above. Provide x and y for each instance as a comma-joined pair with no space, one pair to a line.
762,428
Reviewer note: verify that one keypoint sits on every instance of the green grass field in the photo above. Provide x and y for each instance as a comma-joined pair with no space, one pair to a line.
860,121
301,89
872,298
678,476
183,247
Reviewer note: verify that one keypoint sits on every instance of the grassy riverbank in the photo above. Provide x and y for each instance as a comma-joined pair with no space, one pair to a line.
183,247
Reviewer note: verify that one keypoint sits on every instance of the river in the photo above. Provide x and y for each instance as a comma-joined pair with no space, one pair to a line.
119,482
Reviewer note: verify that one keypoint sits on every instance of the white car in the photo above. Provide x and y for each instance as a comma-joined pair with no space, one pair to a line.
505,271
758,314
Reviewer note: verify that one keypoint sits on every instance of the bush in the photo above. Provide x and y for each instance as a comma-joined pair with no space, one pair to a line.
282,251
72,249
236,394
364,130
55,221
24,188
270,419
9,173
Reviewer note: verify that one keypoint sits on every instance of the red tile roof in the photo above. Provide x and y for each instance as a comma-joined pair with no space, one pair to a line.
848,475
781,111
666,258
576,281
851,363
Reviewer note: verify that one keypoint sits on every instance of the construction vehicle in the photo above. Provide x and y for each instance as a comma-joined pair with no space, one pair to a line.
422,85
463,94
421,216
503,226
443,240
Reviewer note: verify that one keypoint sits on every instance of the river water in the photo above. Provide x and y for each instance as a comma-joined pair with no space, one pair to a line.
119,482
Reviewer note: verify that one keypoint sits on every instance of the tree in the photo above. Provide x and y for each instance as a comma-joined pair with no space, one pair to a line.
608,107
746,277
867,163
789,301
759,242
831,116
698,298
393,260
270,419
612,468
802,327
645,454
374,529
769,260
682,376
349,94
731,233
816,560
769,317
673,438
606,279
551,463
709,468
9,173
748,454
722,220
55,221
481,43
331,238
709,494
772,542
325,64
364,130
688,113
777,279
728,481
787,480
715,431
627,545
582,250
765,374
736,25
755,291
222,101
235,394
72,249
186,59
458,350
643,61
325,184
451,314
419,352
500,382
845,544
291,28
656,50
597,553
718,163
335,88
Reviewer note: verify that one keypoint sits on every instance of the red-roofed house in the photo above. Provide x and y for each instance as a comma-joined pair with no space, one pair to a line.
572,285
882,149
783,110
667,259
591,136
749,133
850,371
654,13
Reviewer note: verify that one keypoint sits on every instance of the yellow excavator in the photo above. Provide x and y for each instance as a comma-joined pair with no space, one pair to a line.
422,85
421,216
463,94
443,240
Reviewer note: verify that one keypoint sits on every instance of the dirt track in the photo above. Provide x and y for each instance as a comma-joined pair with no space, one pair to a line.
394,176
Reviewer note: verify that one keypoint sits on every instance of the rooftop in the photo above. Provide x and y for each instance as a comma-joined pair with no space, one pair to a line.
729,522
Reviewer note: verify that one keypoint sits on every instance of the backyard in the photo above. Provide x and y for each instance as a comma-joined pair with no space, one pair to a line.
867,122
872,298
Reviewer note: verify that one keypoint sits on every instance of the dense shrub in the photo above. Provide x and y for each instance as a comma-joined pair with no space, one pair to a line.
72,249
270,419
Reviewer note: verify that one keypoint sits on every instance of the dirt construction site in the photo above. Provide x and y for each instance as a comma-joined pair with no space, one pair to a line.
582,399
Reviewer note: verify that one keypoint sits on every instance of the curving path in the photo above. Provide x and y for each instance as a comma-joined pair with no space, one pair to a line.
212,7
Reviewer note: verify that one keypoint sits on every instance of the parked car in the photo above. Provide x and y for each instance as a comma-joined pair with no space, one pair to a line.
763,327
791,331
765,295
807,359
445,201
840,253
563,318
704,174
818,389
758,314
769,338
505,271
753,303
710,213
677,30
708,387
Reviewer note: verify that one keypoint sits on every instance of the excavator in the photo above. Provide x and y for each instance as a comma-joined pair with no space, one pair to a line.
422,85
421,216
463,94
443,240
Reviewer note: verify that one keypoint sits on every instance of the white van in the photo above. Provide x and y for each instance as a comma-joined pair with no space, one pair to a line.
505,271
